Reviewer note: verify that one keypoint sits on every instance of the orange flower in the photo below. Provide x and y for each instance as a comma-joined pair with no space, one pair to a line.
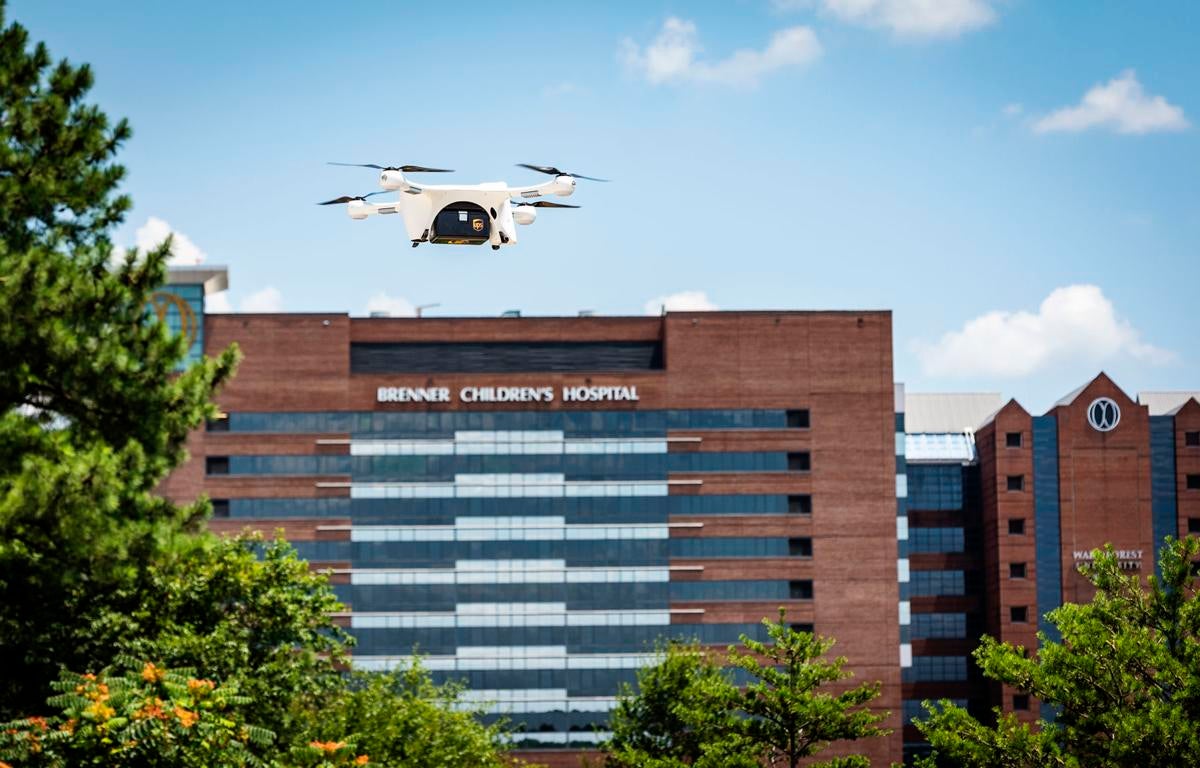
4,764
152,673
152,709
100,711
186,717
39,723
328,747
200,687
362,760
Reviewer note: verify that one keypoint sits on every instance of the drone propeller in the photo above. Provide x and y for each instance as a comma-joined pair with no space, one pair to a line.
552,171
546,204
350,198
401,168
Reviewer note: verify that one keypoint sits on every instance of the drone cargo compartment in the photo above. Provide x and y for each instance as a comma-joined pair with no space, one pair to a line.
461,224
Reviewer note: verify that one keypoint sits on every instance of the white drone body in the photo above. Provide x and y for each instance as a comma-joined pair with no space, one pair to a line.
452,214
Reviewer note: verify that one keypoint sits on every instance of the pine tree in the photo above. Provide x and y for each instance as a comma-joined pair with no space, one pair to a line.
92,411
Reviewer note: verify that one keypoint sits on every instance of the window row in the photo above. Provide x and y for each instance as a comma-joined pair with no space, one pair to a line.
935,668
425,554
590,639
939,625
575,596
934,583
446,423
762,546
574,509
925,540
573,466
528,529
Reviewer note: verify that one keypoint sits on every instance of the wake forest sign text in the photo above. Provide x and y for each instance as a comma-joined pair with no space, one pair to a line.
568,394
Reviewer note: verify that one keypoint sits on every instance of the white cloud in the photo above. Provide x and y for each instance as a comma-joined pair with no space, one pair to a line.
1076,322
183,251
684,301
1120,105
907,18
391,305
673,56
1013,110
269,299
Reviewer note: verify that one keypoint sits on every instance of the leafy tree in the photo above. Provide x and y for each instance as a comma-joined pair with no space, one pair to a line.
1124,681
243,610
92,412
789,719
683,713
403,718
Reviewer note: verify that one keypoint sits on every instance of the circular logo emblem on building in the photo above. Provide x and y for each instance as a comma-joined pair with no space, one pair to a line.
1104,414
162,302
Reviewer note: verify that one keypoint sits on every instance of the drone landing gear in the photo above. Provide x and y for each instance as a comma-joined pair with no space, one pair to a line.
416,243
495,247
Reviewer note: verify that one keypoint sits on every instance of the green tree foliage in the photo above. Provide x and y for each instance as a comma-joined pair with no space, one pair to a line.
91,413
404,719
1124,681
682,713
243,610
790,718
687,710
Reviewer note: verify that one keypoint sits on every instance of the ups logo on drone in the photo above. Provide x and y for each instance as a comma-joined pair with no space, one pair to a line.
477,225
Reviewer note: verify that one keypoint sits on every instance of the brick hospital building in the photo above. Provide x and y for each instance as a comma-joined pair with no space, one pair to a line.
533,502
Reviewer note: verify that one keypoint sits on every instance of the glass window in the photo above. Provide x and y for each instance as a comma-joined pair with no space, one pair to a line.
1194,525
800,547
799,504
1016,482
922,540
1016,526
934,583
1193,482
800,461
748,546
1019,614
1020,702
1016,570
219,424
1191,439
798,419
938,625
216,465
220,507
801,589
935,668
934,487
1012,439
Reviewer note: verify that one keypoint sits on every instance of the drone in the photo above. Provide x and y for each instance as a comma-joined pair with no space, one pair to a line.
451,214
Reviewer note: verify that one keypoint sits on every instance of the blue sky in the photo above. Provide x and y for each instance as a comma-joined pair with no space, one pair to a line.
1016,180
